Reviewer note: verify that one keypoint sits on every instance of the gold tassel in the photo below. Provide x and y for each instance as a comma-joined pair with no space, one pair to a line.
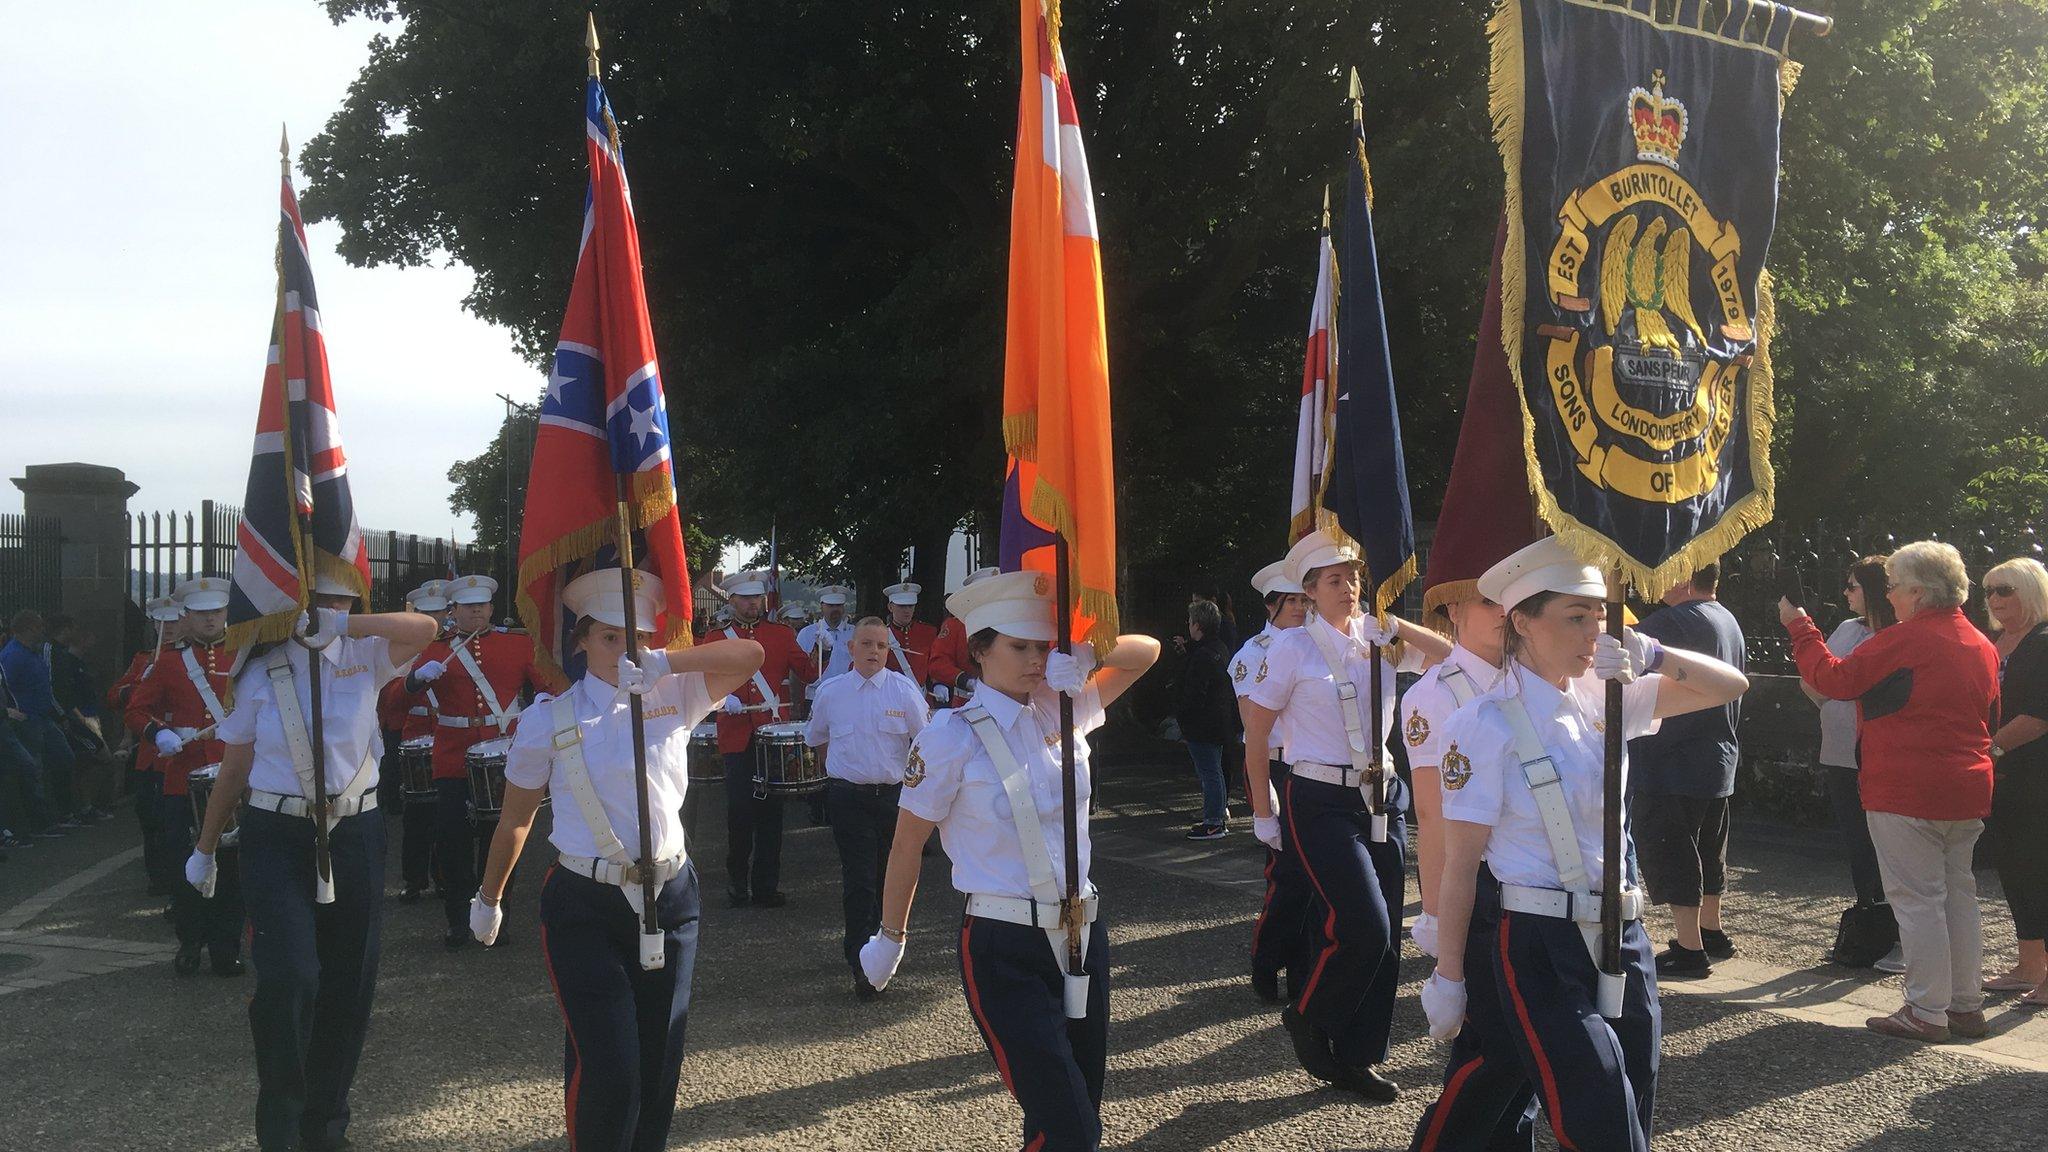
1020,435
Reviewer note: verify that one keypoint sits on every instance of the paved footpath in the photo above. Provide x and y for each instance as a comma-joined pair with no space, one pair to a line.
105,1048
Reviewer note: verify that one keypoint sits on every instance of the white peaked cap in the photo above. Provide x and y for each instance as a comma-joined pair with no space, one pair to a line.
472,589
751,583
1015,604
429,597
833,594
1316,550
202,593
905,593
597,594
1273,578
165,609
1544,566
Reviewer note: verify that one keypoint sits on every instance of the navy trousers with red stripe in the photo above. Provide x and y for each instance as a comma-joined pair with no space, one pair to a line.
1052,1065
622,1057
1351,984
1488,1102
1287,935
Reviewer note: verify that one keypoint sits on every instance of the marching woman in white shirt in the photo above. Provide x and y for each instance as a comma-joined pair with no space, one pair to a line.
1522,770
1318,680
988,777
623,1054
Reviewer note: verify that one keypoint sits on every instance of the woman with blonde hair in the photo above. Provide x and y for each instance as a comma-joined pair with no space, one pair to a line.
2017,594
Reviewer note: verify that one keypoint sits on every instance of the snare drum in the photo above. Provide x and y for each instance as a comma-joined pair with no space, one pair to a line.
199,786
486,763
783,764
416,769
706,765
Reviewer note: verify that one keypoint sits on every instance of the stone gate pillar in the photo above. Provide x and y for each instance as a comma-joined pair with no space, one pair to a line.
90,502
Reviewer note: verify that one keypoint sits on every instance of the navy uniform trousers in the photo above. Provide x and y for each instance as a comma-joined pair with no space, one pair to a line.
1596,1079
863,820
1287,933
161,869
316,971
1053,1066
216,923
417,833
1351,983
622,1055
753,830
1487,1103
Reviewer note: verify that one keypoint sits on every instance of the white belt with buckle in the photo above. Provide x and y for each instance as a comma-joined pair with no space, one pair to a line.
621,875
1582,907
299,806
466,722
1030,913
1343,776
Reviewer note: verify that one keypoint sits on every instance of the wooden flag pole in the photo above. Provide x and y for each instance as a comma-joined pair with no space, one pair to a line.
1612,863
1071,914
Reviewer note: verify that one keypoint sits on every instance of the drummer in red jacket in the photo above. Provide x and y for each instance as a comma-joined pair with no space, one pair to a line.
146,778
953,674
473,680
405,717
753,823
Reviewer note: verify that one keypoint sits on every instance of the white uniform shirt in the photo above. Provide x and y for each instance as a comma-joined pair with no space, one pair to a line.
1427,705
670,710
353,670
869,721
1299,687
1483,781
952,782
839,661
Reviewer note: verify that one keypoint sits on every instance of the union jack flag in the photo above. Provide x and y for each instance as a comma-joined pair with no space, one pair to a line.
602,422
298,519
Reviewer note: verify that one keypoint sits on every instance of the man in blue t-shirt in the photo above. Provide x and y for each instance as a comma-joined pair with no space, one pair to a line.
1680,780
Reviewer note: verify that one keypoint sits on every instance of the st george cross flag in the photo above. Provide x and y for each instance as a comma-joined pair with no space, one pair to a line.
1368,489
1318,372
298,520
1056,361
603,419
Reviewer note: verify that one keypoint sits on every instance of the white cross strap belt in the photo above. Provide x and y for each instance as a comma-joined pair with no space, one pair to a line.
302,808
499,715
1559,905
1354,722
626,876
615,866
1343,776
284,690
767,690
204,684
896,650
1030,913
1459,685
469,722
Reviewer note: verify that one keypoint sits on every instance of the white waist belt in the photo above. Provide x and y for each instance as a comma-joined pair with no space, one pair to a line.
1343,776
1582,907
1014,910
621,875
302,808
466,722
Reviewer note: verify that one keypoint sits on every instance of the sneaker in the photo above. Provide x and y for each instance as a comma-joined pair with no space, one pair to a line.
1968,1025
1718,945
1893,962
53,832
1207,832
1681,963
1907,1026
102,815
9,840
69,824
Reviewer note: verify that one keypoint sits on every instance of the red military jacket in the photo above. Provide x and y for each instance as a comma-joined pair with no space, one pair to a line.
461,717
405,713
950,664
780,657
117,705
168,698
916,643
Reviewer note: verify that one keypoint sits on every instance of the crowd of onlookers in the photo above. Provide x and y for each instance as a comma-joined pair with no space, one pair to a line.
57,770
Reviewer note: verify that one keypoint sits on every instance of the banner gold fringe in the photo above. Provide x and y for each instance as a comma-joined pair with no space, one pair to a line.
1391,588
652,496
1050,508
1020,435
1447,593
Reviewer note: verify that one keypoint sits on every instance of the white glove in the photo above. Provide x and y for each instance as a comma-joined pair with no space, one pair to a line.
1424,934
168,742
485,920
1371,631
879,958
1064,673
430,671
1267,829
942,694
1443,1001
1627,658
732,706
633,678
322,626
201,872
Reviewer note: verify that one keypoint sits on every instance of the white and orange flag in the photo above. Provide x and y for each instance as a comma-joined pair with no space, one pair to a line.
1318,404
1060,480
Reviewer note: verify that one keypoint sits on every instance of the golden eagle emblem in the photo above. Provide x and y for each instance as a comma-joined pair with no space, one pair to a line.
1456,770
913,771
1644,276
1417,730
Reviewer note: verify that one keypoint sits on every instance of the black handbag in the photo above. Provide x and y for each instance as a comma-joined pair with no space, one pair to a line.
1866,933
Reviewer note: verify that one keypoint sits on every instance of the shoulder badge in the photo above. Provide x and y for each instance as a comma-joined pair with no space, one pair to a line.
913,770
1261,677
1263,640
1456,770
1238,672
1417,730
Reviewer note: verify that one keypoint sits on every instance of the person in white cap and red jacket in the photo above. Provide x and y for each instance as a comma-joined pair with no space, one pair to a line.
1285,935
827,638
953,673
160,861
624,997
910,639
408,716
1522,771
1047,1030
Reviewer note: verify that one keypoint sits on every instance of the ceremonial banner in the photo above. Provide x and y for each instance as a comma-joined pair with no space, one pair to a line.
1056,359
298,519
1642,165
1318,371
604,417
1368,489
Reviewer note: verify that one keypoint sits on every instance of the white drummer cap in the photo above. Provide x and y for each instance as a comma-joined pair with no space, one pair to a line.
164,609
202,593
1544,566
597,594
1273,578
429,597
1318,549
793,612
905,593
326,585
833,594
752,583
472,589
1015,604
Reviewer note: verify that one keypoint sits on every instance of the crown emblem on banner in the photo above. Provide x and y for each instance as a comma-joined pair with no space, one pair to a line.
1658,122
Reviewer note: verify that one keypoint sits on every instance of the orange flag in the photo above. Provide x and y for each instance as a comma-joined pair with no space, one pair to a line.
1056,363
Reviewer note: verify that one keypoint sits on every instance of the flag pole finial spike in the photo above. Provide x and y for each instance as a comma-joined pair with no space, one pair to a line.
1357,96
1326,207
284,148
590,39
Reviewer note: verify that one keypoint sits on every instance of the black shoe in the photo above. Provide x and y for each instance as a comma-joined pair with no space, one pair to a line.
1681,963
1311,1047
230,966
737,899
1266,986
1367,1082
770,900
862,990
409,896
1719,946
455,938
187,961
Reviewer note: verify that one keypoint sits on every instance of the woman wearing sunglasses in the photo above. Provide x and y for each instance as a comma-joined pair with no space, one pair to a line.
2017,594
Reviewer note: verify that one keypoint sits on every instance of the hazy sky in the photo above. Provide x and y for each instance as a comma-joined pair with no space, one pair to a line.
138,213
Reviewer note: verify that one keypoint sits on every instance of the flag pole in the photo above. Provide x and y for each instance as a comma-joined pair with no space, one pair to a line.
1375,735
653,953
1612,979
1063,616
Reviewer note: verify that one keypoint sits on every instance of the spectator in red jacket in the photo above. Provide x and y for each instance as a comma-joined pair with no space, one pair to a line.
1927,698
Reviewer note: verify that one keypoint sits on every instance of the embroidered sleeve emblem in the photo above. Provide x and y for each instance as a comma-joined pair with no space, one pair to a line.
1456,770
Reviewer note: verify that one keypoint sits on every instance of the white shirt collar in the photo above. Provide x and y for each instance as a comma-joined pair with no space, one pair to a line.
1482,673
866,682
1001,706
